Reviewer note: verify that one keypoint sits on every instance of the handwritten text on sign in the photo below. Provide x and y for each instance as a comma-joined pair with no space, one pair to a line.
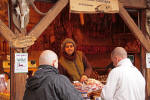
94,6
21,62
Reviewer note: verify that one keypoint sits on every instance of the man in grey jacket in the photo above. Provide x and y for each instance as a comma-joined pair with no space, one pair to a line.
47,83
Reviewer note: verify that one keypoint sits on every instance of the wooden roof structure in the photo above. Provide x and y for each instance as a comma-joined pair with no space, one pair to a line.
11,33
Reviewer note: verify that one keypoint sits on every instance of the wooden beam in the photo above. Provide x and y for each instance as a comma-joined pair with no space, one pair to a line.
133,27
134,3
142,50
46,20
148,81
6,32
18,80
12,82
146,71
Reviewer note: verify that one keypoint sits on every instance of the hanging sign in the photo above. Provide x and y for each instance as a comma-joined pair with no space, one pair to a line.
94,6
21,62
24,41
147,60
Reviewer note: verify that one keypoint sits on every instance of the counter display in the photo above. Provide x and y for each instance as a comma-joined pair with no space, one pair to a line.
90,90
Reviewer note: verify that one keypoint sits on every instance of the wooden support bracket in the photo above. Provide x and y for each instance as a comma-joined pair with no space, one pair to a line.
6,32
133,27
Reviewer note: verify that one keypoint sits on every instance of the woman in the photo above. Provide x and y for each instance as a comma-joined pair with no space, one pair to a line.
73,63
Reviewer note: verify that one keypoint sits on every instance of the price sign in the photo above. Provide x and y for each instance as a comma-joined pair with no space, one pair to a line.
21,62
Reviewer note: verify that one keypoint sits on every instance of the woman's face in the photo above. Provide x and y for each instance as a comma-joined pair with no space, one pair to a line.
69,48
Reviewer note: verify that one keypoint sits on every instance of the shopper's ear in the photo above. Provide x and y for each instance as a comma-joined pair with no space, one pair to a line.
55,63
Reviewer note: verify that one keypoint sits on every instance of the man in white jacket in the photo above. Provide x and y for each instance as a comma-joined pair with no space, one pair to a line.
125,81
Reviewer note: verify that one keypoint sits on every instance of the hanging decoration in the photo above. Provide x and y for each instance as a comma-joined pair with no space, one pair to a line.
95,49
113,18
82,18
5,46
133,46
101,15
20,13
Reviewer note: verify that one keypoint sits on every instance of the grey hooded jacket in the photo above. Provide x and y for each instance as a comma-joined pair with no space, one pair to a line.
47,84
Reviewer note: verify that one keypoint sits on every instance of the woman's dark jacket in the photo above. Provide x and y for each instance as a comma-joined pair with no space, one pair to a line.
47,84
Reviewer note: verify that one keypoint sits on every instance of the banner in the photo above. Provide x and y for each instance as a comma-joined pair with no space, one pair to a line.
94,6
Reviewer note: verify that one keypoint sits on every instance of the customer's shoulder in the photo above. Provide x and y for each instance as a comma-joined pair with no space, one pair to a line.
61,80
116,70
62,77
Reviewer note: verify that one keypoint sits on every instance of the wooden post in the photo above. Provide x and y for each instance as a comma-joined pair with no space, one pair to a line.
142,17
148,81
18,80
9,37
12,77
146,71
144,39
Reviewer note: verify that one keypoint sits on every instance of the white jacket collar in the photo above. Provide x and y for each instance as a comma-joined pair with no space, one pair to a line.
125,62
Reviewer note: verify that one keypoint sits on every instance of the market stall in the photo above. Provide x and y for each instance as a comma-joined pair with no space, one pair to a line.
102,31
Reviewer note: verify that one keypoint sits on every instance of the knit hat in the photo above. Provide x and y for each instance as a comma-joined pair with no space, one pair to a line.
67,40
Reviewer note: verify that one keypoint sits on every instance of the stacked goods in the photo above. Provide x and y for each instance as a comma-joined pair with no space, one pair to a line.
96,87
4,96
94,84
89,88
102,78
94,75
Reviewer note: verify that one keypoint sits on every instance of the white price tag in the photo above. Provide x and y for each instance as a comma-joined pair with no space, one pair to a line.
147,60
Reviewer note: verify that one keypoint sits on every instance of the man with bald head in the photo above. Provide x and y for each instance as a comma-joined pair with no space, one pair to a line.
47,83
125,81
